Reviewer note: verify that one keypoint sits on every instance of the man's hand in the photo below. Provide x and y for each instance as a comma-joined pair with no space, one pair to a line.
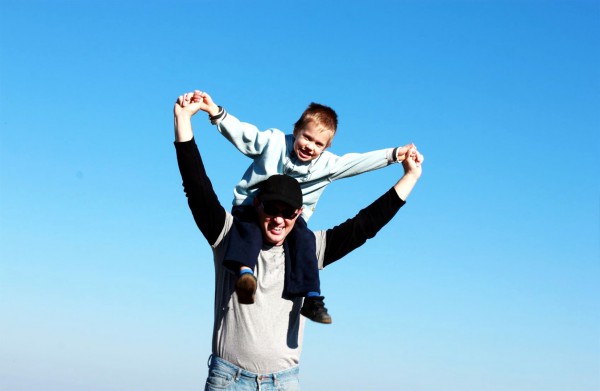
412,173
186,105
412,162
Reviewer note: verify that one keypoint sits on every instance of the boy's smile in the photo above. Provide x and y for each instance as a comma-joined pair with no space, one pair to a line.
310,142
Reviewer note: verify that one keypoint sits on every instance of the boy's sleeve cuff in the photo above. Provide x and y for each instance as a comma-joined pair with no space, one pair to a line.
392,155
217,118
395,154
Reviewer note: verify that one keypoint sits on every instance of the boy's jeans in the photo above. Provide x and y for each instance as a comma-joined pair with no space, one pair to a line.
223,375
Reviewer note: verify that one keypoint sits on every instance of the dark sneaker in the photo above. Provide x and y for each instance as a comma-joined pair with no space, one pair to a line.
245,287
314,309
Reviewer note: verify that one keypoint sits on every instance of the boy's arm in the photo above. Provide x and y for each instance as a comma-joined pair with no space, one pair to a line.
353,233
208,213
245,137
206,103
352,164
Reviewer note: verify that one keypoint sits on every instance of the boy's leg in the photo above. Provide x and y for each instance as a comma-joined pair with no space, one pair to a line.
314,309
304,269
242,252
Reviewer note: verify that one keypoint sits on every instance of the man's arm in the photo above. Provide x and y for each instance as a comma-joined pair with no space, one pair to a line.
354,232
208,213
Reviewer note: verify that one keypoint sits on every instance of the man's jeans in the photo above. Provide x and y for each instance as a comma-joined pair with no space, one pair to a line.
223,375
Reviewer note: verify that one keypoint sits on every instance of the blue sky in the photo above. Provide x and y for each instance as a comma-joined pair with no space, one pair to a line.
487,280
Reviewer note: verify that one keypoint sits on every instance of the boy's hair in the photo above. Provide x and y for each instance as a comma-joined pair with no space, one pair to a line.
323,116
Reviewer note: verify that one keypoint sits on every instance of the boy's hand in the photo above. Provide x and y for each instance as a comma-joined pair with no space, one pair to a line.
206,103
402,151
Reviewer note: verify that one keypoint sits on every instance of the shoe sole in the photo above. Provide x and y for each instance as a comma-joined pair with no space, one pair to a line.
245,287
322,321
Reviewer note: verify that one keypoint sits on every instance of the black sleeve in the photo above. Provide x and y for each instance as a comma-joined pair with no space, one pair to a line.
208,212
354,232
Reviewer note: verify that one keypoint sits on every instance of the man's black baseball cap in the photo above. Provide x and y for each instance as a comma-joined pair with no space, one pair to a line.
281,188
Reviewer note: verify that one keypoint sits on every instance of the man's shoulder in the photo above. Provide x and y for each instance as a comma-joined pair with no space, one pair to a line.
224,235
320,243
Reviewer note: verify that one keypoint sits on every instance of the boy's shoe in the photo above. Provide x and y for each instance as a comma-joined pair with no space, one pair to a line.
245,287
314,309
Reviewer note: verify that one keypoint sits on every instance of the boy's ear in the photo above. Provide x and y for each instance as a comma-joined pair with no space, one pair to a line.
330,140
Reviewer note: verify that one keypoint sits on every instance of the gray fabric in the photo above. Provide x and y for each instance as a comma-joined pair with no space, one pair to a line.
266,336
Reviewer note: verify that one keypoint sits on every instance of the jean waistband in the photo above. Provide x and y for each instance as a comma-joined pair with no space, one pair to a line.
224,365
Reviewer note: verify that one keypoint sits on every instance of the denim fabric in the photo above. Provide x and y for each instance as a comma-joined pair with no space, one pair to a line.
223,375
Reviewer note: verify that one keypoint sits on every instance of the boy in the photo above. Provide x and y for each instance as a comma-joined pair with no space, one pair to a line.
303,156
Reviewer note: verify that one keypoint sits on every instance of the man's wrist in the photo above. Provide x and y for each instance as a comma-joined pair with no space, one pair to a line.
412,176
183,115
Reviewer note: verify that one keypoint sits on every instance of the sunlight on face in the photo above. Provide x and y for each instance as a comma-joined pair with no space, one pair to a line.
274,226
311,141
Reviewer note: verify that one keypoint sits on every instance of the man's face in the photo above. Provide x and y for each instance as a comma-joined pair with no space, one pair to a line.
310,141
276,220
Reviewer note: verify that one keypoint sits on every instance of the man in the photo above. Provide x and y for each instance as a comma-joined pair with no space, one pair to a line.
259,346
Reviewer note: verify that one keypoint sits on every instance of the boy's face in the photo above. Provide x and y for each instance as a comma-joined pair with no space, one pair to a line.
310,142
